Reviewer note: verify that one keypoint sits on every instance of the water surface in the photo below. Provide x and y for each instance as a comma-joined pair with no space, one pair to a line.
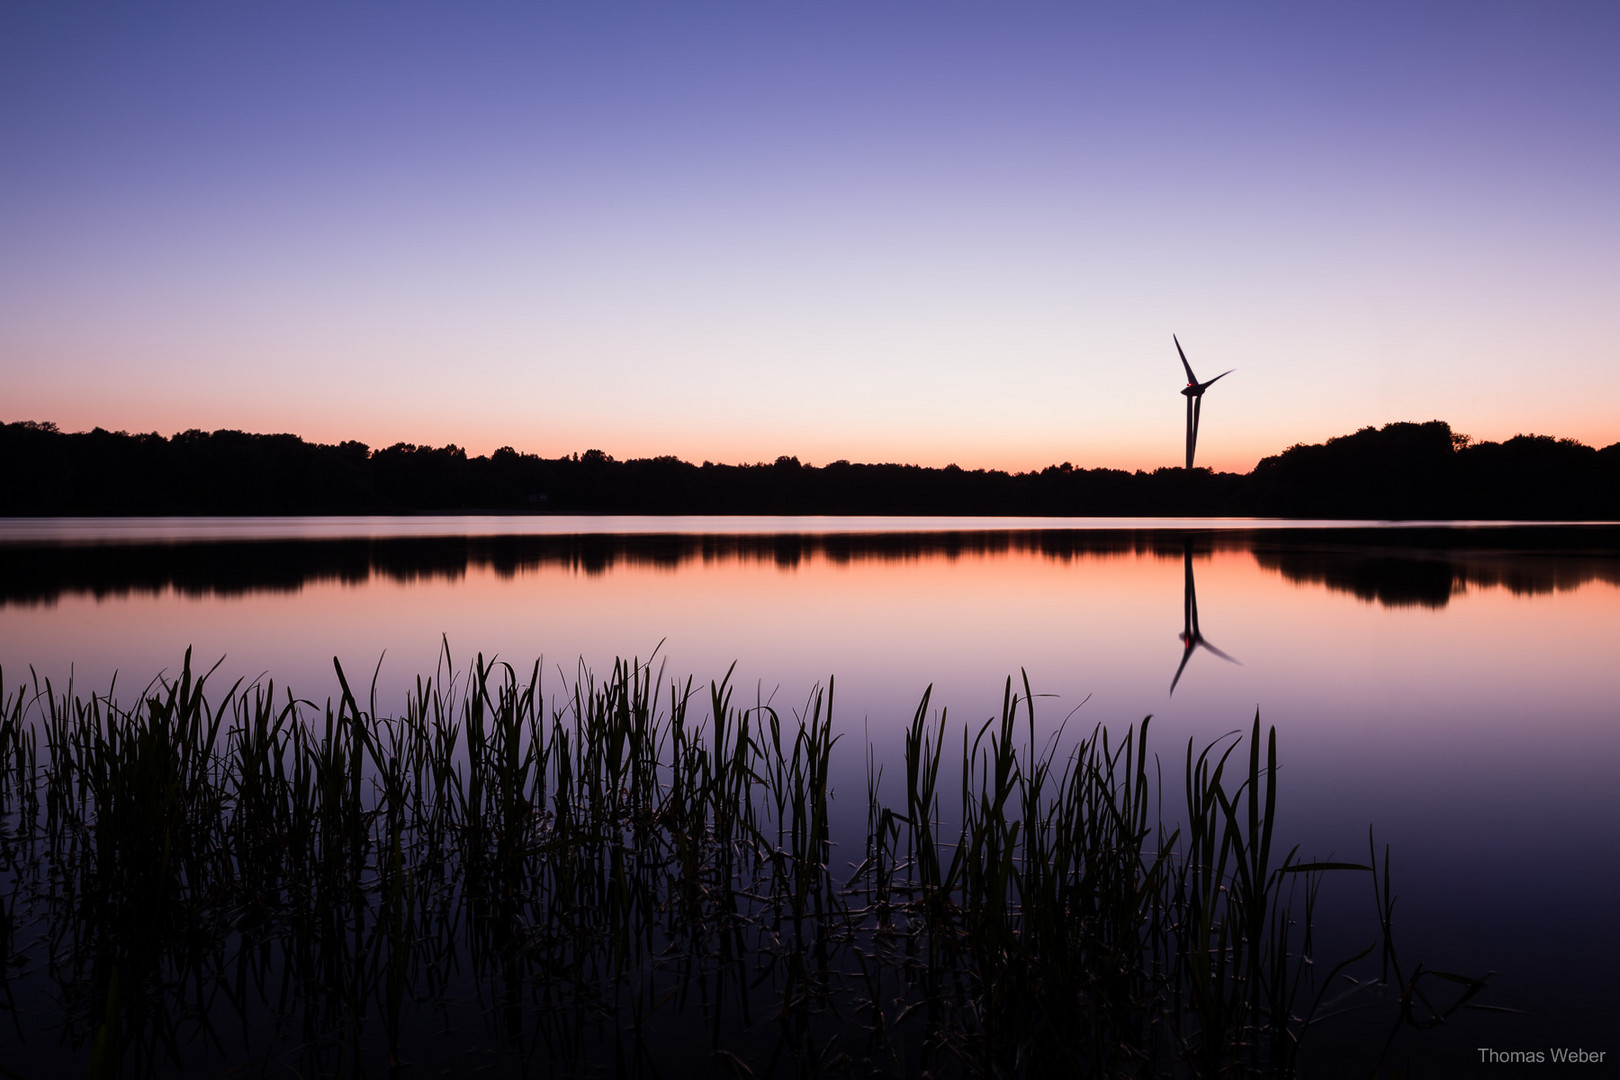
1454,688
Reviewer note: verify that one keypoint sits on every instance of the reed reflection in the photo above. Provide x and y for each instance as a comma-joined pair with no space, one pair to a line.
1192,638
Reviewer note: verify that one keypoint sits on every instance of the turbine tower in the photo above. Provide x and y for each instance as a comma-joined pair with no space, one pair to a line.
1194,394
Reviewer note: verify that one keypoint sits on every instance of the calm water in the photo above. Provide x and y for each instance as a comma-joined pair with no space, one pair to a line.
1454,688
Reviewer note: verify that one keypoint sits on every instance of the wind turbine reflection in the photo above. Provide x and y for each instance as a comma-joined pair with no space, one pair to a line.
1191,636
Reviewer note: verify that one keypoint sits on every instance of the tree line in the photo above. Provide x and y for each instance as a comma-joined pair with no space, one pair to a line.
1399,471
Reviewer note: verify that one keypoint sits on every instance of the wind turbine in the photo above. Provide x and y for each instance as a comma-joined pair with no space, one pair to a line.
1194,394
1192,638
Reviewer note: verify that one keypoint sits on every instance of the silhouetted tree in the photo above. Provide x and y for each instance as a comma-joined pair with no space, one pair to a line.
1402,470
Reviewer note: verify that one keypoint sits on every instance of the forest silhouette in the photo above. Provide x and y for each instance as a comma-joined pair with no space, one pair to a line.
1402,471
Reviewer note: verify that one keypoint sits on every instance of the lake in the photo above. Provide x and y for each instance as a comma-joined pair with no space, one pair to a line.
1454,687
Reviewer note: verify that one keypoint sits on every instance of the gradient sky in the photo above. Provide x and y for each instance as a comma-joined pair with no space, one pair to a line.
874,231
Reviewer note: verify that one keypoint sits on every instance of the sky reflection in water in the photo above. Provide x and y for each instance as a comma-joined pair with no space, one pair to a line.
1455,690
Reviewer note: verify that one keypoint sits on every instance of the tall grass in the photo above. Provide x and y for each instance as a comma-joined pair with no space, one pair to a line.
605,878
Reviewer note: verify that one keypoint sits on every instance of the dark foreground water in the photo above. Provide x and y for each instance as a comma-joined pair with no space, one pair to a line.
1454,688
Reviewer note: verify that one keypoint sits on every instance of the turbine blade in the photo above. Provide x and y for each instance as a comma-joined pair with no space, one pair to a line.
1185,656
1192,432
1216,379
1191,378
1217,652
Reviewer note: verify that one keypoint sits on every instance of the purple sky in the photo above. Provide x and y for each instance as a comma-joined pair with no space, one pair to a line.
871,231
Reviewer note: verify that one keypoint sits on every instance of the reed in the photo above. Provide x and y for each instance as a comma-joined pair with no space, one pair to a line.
208,881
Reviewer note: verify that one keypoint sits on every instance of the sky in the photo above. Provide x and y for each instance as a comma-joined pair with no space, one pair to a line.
877,231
